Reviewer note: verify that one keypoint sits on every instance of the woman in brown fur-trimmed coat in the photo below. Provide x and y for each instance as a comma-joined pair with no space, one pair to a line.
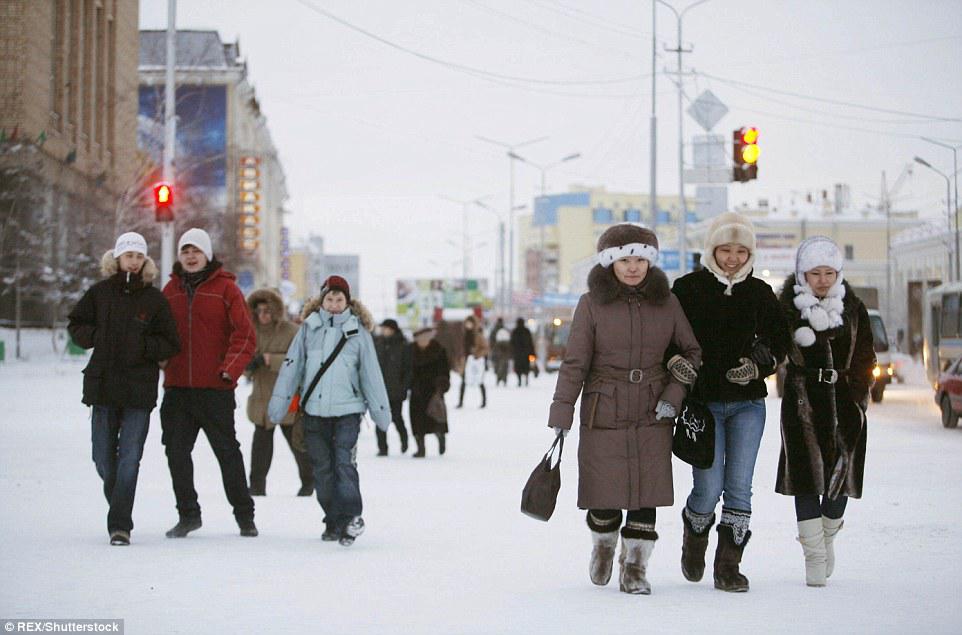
614,359
830,364
274,336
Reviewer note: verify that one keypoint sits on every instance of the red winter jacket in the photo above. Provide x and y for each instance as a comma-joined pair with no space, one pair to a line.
215,330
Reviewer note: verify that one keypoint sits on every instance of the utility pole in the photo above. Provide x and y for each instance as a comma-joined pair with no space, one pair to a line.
653,133
955,208
170,132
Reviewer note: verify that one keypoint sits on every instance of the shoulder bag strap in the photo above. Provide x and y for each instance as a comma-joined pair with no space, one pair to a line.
323,369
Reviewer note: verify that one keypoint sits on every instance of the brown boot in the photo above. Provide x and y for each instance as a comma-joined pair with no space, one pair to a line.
727,558
693,548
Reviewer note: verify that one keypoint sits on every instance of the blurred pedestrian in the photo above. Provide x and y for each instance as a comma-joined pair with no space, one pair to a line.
394,356
127,321
274,336
334,350
522,348
619,334
474,359
431,378
217,342
499,342
742,331
829,374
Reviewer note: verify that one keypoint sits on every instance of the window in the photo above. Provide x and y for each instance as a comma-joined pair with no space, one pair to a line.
632,215
602,216
849,252
950,315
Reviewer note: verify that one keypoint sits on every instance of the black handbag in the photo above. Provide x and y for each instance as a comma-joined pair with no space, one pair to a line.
694,440
540,493
436,410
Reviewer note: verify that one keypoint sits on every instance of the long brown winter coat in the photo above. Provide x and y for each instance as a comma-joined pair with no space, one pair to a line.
821,447
624,453
273,339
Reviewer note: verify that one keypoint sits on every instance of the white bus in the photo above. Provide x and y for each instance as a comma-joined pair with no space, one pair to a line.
941,328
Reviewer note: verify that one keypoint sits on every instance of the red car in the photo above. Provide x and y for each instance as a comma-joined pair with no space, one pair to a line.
948,393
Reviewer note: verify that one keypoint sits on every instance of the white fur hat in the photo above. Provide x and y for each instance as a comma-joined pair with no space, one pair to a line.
817,251
131,241
730,227
198,238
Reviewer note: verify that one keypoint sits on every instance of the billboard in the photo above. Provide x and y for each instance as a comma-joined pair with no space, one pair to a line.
417,299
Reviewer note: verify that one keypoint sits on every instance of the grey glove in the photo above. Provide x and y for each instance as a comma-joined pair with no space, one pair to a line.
745,372
665,410
682,370
560,432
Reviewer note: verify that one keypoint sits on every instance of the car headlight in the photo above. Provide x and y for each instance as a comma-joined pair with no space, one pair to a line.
876,372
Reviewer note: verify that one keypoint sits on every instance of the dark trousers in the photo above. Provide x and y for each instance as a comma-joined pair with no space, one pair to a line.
117,437
809,507
398,418
332,446
262,453
183,414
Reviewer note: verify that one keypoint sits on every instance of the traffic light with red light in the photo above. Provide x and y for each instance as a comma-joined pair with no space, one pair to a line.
745,154
163,202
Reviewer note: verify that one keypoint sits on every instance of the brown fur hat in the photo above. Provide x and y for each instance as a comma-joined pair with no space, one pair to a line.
627,239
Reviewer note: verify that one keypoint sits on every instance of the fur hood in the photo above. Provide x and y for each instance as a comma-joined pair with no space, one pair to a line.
367,320
108,267
604,287
273,300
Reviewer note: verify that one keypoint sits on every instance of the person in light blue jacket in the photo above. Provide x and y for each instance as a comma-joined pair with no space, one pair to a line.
351,385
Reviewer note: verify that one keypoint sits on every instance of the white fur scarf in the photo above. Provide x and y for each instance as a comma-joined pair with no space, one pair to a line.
821,314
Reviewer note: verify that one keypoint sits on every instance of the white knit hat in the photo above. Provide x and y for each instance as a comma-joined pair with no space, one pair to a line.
131,241
198,238
817,251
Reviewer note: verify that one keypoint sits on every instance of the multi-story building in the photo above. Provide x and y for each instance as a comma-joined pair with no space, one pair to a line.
310,265
227,168
68,111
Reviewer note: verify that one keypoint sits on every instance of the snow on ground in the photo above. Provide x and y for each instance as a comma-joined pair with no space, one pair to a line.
446,549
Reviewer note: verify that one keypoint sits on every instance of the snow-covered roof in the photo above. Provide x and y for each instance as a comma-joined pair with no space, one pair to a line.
195,49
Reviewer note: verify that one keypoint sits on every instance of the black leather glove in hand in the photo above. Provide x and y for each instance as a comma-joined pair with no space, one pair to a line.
761,354
256,362
743,373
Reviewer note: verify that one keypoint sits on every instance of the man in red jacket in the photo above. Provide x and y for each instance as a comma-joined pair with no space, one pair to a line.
217,342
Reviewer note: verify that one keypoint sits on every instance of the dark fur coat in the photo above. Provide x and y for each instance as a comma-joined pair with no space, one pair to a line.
823,443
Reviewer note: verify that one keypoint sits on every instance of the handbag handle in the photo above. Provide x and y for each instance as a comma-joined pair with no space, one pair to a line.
550,452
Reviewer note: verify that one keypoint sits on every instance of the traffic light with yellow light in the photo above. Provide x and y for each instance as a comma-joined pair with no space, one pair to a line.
163,202
745,154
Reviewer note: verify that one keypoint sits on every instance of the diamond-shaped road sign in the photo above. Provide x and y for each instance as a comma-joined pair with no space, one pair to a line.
707,110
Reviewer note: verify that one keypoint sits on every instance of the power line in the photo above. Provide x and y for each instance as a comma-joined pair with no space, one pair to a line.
587,18
463,67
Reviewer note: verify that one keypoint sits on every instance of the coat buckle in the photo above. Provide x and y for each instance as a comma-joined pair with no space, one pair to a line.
827,375
635,375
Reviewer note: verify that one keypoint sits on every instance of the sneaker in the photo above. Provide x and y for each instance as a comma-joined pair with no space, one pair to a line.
183,527
353,529
120,538
247,528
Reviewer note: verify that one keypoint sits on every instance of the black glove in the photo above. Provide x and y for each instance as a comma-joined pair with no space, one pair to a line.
761,354
256,362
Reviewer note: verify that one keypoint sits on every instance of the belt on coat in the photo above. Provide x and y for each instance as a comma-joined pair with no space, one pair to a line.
821,375
627,375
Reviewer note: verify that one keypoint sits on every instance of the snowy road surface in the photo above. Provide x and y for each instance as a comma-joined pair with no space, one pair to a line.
446,550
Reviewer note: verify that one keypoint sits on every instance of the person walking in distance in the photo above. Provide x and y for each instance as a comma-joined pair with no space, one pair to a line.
217,342
522,349
620,332
394,356
127,321
430,377
274,336
473,359
333,351
500,343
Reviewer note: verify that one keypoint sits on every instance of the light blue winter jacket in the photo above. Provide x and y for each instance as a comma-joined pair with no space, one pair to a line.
352,384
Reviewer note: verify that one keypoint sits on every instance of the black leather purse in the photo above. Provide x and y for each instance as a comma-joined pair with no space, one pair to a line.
540,493
694,440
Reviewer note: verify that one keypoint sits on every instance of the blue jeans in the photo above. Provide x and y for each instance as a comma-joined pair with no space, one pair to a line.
738,433
118,436
332,445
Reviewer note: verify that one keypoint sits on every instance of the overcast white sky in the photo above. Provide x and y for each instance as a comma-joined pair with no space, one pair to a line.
372,137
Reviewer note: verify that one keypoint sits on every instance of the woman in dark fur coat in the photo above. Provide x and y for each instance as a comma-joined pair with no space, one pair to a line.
830,362
430,375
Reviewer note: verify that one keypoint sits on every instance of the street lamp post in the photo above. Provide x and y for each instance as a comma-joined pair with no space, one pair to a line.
948,219
955,208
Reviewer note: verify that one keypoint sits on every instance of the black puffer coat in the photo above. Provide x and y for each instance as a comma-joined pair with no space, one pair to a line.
394,356
727,326
430,375
823,439
522,347
129,325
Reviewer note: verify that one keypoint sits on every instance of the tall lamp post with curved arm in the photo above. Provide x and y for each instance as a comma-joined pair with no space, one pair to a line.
953,275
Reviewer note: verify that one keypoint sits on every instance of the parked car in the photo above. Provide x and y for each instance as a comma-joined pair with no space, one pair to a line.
948,394
884,370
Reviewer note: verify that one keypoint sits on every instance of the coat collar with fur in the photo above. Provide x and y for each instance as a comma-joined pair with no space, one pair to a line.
604,288
273,300
109,266
359,310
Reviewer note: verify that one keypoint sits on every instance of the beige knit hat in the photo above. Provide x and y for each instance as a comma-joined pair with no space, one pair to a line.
730,227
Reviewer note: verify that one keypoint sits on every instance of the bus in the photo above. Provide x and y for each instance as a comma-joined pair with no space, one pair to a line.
941,328
556,332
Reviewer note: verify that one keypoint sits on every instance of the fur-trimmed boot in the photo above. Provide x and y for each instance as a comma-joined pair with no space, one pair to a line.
695,543
635,553
728,556
830,526
602,556
812,537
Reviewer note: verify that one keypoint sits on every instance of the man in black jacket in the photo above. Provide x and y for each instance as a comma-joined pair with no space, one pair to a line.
394,356
129,325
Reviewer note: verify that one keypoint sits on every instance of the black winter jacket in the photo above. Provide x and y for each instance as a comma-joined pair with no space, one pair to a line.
727,326
130,327
394,357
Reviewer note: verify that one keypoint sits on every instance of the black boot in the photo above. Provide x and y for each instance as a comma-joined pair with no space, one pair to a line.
461,396
441,443
247,528
484,396
727,558
693,548
307,489
419,439
183,527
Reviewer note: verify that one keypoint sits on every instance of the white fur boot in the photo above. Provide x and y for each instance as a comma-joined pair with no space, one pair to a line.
830,526
635,553
602,556
812,537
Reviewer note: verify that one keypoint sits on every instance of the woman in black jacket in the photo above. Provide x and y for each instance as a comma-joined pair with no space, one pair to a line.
742,333
830,361
522,348
129,325
430,375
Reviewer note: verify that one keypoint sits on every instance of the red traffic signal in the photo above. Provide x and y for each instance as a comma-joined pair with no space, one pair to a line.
163,202
745,153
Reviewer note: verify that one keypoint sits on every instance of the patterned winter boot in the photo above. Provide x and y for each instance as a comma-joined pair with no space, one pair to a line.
830,526
812,537
727,558
604,538
695,543
637,544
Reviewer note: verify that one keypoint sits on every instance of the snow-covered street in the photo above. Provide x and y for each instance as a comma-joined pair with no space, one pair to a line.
446,549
